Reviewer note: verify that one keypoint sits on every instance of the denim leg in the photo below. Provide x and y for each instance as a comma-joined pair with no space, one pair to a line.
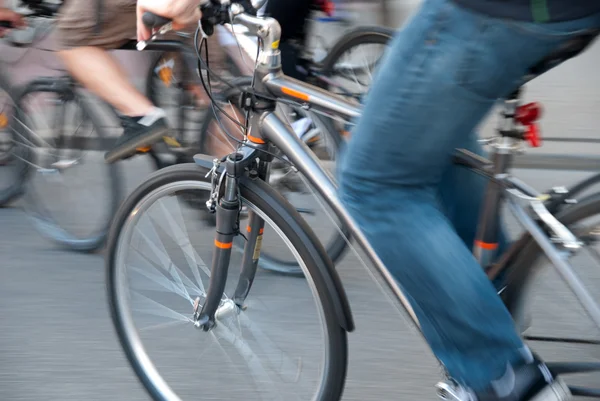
441,76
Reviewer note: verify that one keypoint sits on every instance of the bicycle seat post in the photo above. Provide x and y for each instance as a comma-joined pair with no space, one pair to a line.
503,149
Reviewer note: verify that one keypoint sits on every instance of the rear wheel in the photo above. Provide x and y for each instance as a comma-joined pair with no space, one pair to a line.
274,346
567,333
351,64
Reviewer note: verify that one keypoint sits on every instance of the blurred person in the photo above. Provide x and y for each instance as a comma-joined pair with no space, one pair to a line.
86,34
442,75
292,15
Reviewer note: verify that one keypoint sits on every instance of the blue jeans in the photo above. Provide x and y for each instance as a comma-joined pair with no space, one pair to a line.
442,75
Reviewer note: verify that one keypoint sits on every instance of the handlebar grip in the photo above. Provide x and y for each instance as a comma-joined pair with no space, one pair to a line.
152,20
6,24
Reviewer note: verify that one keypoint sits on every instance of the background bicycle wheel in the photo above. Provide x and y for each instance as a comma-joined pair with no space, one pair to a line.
71,193
13,158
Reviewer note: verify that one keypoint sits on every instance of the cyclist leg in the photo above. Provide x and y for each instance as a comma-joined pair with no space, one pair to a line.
441,77
85,54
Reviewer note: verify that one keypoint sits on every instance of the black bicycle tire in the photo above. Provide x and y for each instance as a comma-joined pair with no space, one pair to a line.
336,246
286,218
95,242
15,189
356,37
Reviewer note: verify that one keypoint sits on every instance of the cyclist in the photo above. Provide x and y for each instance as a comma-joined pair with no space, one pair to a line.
86,32
442,75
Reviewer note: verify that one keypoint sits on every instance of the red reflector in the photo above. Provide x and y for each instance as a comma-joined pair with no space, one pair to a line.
529,113
532,135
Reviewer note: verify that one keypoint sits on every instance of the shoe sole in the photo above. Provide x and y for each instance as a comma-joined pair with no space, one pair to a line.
129,149
557,391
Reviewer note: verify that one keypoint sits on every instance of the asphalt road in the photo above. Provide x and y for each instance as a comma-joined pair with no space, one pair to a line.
57,341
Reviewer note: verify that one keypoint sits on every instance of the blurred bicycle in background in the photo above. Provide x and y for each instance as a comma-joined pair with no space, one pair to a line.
57,133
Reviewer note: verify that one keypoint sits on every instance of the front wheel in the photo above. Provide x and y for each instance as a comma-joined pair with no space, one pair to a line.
284,341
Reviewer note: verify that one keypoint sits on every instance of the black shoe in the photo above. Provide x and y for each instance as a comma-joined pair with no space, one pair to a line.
138,132
531,382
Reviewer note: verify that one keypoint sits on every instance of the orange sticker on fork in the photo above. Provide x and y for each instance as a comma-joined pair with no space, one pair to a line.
488,246
223,245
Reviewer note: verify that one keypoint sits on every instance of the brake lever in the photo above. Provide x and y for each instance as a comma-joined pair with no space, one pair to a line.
141,45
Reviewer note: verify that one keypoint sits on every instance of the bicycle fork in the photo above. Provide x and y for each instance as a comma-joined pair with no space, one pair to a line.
227,211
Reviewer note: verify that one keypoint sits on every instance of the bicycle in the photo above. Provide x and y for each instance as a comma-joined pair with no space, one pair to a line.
60,153
59,156
223,310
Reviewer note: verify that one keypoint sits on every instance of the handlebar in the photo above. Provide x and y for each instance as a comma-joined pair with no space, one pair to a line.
154,21
243,12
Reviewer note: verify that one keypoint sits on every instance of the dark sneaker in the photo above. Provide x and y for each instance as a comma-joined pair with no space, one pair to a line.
531,382
138,134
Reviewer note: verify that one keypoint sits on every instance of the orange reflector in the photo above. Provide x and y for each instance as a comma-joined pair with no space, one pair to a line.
223,245
172,142
262,230
294,93
486,245
144,149
166,75
3,121
254,139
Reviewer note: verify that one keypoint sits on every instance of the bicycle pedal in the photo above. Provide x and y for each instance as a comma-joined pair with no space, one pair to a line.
64,164
172,142
142,149
451,391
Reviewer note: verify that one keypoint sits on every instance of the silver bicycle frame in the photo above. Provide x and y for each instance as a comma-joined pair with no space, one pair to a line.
271,128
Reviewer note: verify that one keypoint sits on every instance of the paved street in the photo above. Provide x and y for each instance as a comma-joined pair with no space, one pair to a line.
57,342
